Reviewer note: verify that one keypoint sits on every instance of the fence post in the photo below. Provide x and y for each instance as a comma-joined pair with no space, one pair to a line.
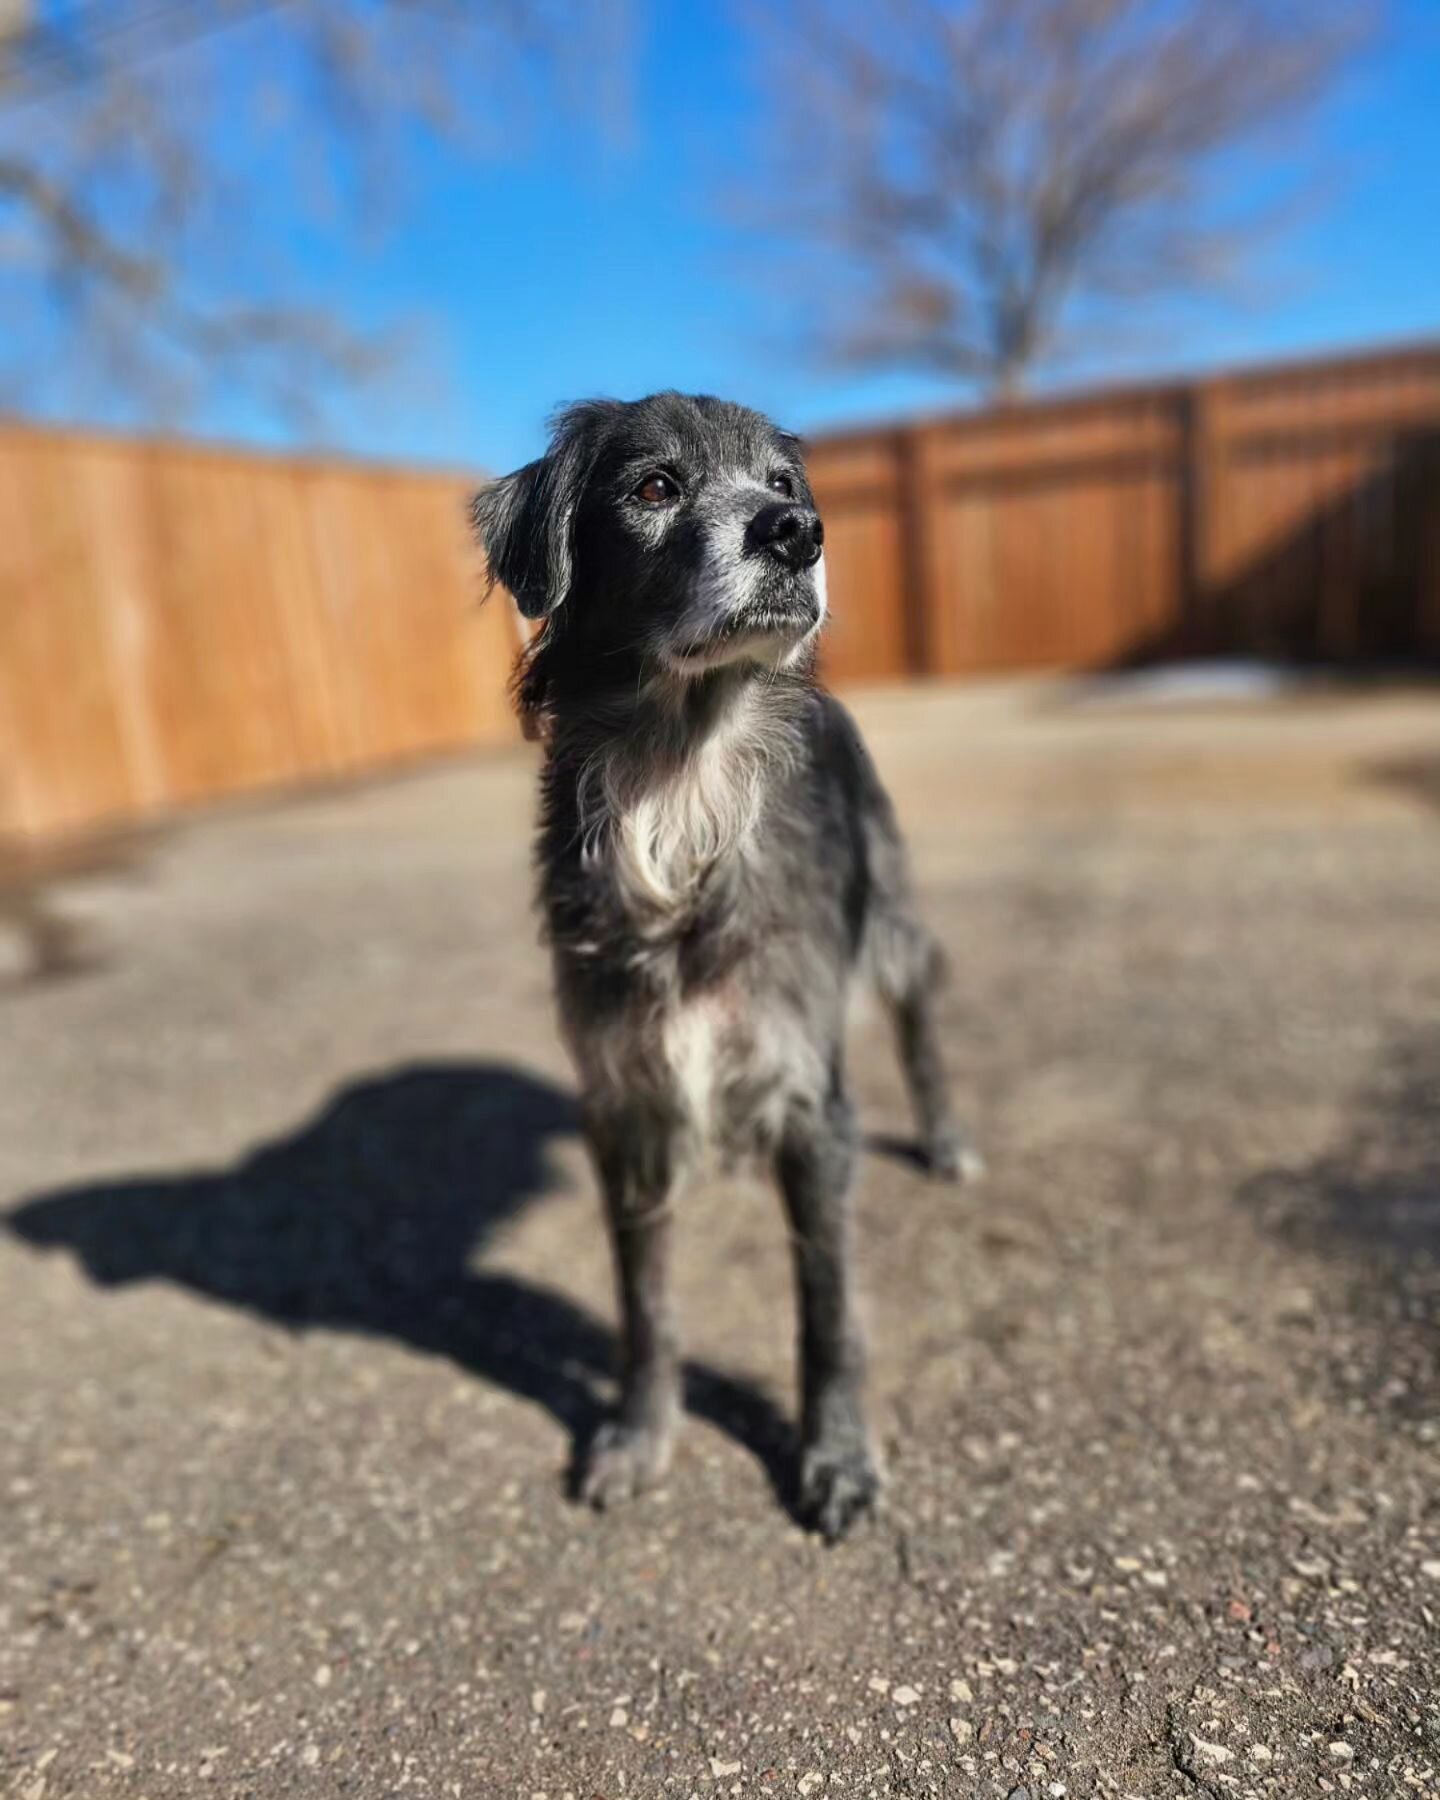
913,500
1427,597
1200,490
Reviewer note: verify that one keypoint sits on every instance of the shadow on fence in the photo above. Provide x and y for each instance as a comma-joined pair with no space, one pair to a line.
1354,587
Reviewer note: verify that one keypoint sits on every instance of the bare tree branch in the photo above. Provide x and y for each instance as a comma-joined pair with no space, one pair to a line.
137,138
963,175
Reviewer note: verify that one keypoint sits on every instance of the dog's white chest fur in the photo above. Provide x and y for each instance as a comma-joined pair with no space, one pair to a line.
655,833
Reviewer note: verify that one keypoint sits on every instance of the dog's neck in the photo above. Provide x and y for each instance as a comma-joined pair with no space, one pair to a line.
671,778
588,703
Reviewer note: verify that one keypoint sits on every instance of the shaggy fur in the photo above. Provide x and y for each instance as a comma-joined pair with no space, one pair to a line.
717,862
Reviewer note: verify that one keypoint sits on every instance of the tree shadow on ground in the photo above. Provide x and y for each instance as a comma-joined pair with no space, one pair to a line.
369,1218
53,944
1373,1200
1416,776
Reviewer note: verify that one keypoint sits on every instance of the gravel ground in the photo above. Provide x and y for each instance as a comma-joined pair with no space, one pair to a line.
305,1299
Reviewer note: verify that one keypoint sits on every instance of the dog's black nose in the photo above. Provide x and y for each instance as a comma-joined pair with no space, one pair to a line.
791,533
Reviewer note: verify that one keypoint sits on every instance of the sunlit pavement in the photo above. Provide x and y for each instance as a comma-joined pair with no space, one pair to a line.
304,1299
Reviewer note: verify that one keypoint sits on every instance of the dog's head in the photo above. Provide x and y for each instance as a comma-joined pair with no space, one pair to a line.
679,531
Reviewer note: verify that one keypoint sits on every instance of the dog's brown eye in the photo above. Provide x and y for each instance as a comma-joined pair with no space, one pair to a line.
657,490
782,484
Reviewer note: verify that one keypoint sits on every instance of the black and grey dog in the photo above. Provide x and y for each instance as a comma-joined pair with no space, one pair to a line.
717,860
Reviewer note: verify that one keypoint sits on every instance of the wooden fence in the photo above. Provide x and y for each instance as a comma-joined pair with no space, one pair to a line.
178,624
1293,512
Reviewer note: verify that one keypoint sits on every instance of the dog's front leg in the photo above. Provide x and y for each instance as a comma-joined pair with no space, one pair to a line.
838,1475
635,1156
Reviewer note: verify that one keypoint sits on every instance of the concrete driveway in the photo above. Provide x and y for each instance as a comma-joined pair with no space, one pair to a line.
304,1300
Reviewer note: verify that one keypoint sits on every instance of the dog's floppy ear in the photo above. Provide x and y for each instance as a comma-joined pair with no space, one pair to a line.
526,521
527,550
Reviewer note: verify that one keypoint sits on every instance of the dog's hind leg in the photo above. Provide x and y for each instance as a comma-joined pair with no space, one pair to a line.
839,1478
910,973
636,1158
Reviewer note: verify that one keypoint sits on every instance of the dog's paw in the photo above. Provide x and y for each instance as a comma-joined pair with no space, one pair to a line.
837,1485
621,1461
953,1159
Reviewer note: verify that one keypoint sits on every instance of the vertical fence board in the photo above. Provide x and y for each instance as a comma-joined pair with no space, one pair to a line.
857,486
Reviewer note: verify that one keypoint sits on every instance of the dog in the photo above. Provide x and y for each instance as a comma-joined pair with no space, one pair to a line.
717,862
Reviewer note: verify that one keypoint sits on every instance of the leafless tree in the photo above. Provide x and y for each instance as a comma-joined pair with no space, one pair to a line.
971,180
142,142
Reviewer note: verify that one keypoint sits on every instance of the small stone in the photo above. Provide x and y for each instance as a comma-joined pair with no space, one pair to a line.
810,1780
961,1730
719,1769
537,1702
1211,1753
1432,1569
324,1675
619,1717
310,1755
906,1696
960,1690
1341,1751
879,1685
1260,1753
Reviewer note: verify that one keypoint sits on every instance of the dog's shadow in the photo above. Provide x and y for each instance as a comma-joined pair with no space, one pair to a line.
369,1219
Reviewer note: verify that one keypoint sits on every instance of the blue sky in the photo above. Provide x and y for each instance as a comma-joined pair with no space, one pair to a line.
570,265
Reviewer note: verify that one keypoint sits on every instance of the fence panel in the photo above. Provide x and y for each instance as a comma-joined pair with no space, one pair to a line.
1286,512
1325,477
858,484
179,624
1052,534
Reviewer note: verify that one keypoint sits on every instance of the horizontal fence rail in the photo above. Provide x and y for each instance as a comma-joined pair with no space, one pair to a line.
178,623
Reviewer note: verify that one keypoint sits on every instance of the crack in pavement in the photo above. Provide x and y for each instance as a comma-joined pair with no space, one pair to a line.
1177,1737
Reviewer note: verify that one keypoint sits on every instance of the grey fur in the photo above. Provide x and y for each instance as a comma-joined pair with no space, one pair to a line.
718,861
